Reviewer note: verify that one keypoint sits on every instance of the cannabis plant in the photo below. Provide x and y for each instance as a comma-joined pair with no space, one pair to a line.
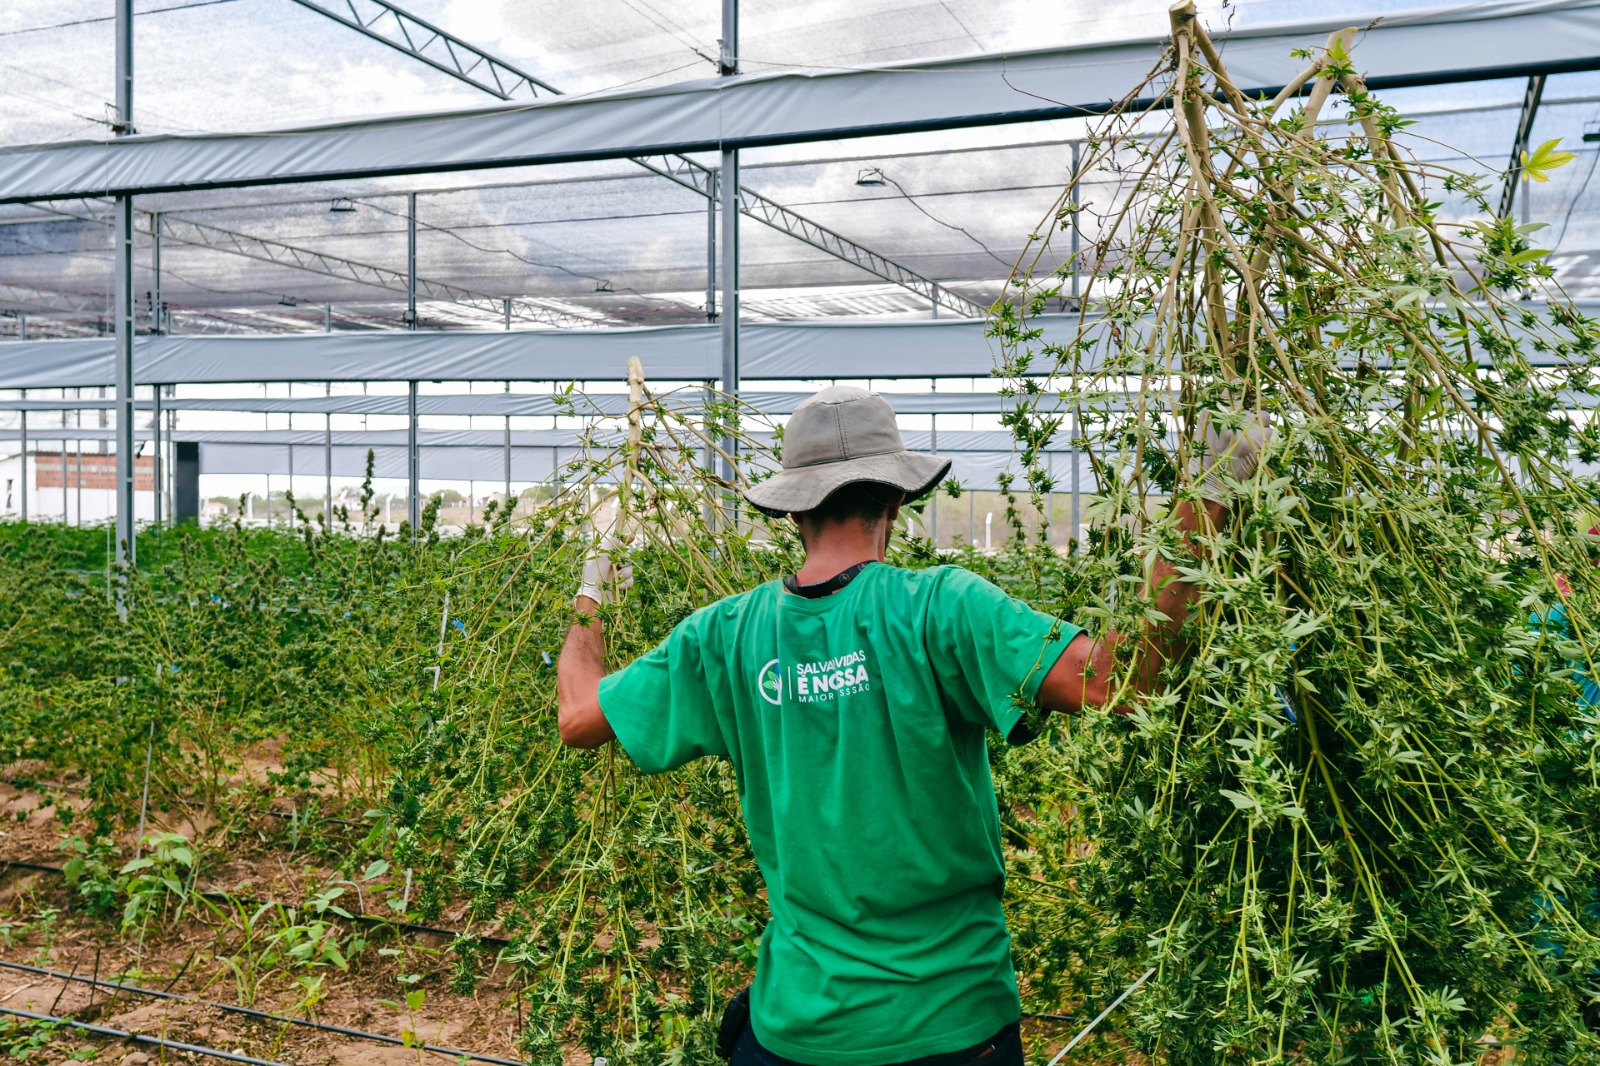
1359,823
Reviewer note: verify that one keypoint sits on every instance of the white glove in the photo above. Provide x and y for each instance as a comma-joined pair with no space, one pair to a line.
1217,454
604,582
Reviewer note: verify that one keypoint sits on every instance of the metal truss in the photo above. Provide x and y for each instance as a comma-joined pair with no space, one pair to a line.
53,301
204,236
470,64
428,43
1530,108
702,179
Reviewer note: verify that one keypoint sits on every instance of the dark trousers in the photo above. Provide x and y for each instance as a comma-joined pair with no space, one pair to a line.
1002,1049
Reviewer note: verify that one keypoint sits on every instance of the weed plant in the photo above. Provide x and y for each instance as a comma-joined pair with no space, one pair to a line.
1359,824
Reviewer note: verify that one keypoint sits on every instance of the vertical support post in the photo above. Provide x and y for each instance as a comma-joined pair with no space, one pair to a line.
327,462
125,538
411,260
63,461
77,462
1072,195
413,467
711,246
935,308
25,460
22,327
507,454
186,483
507,303
155,270
124,44
728,191
728,198
933,446
289,514
172,463
157,444
708,508
327,318
122,266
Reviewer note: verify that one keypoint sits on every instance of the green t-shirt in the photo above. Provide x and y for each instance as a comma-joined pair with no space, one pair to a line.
855,724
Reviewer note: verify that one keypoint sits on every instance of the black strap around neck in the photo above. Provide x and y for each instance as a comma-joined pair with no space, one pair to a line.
828,587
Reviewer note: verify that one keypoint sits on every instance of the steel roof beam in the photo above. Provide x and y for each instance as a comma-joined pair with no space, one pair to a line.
1530,109
1448,44
429,44
198,234
691,175
499,78
203,235
53,301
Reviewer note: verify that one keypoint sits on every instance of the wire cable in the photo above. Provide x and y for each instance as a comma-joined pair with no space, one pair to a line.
1098,1018
251,1012
112,18
912,200
140,1038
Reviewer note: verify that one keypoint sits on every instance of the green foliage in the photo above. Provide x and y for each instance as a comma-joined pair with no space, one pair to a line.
89,870
409,686
1536,166
308,937
25,1039
149,881
1358,825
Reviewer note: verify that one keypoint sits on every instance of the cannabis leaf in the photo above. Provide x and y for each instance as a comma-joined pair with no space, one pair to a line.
1544,159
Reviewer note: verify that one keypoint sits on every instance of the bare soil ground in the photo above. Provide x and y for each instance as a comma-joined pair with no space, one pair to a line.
199,949
203,949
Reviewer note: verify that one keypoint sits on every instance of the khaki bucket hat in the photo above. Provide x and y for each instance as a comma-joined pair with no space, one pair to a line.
841,436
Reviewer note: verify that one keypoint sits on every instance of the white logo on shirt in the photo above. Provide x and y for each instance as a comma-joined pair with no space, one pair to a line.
769,682
815,682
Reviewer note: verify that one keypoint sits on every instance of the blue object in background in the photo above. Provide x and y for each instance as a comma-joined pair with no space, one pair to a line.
1556,621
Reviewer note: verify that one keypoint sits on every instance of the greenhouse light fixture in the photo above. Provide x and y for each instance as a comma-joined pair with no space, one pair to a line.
603,286
341,205
871,176
288,301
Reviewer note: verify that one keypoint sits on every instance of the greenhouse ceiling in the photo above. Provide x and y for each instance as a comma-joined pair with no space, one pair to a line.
908,220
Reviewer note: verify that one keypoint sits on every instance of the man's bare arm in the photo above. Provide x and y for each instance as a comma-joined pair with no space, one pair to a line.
578,674
1084,674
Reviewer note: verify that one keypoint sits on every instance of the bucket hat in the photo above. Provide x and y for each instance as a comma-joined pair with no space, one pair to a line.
841,436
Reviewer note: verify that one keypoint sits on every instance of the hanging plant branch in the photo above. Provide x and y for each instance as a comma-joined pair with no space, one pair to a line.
1357,825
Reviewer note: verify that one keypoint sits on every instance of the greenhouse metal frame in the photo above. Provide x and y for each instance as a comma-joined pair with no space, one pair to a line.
658,129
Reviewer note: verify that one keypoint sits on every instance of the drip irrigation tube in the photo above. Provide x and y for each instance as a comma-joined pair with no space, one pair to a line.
251,1012
371,919
140,1038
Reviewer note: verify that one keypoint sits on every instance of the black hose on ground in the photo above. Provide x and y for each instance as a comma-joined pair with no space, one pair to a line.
140,1038
251,1012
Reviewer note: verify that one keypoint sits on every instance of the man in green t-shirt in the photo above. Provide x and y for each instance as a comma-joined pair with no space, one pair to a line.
853,700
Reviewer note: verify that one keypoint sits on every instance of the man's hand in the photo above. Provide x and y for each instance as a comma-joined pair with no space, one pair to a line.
603,581
1218,455
582,662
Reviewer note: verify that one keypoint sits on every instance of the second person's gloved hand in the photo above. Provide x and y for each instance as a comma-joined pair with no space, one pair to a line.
1218,455
603,581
